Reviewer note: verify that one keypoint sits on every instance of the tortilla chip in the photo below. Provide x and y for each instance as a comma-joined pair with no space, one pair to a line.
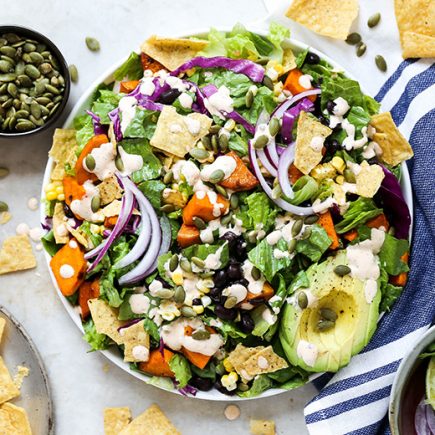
22,372
13,420
306,157
109,190
105,319
395,148
172,53
240,355
16,254
63,151
331,18
172,134
5,217
264,361
151,422
2,327
262,427
416,23
60,230
115,420
288,60
80,236
134,335
8,389
369,179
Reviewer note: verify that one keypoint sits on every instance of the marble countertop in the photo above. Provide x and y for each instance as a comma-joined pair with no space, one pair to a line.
82,383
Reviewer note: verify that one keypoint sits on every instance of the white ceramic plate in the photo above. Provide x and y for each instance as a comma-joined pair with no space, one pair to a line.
17,348
83,104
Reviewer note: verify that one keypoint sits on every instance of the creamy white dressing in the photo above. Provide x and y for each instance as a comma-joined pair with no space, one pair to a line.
176,83
317,143
174,337
262,130
274,237
224,163
262,362
213,261
82,207
268,316
139,304
254,286
127,107
140,353
350,142
369,150
305,81
131,162
307,352
175,128
61,230
238,291
147,86
66,271
73,244
278,254
104,157
370,290
220,101
154,287
186,100
193,125
341,107
322,206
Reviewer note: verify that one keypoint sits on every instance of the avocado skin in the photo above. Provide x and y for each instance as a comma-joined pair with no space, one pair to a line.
355,325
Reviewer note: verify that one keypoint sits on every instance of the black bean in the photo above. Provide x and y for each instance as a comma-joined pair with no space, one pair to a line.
373,160
240,249
67,211
218,385
234,271
231,238
225,313
324,120
169,96
330,106
312,58
242,281
246,323
196,301
332,146
220,279
216,294
202,384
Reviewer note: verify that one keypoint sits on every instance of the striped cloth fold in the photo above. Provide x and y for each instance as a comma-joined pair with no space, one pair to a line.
355,400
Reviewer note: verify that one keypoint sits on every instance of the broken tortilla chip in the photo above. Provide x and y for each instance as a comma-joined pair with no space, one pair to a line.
331,18
264,361
152,422
59,224
177,134
105,319
262,427
2,327
22,372
416,23
109,190
8,389
115,420
238,357
395,148
309,142
16,254
172,53
133,337
14,420
63,151
369,179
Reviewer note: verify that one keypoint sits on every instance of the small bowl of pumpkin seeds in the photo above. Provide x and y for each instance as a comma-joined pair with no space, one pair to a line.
34,82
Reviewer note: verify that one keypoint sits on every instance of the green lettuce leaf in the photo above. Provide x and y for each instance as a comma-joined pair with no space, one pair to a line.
204,250
161,382
181,368
96,340
102,110
261,383
131,68
306,187
85,130
161,269
334,87
153,189
389,256
358,213
143,124
390,293
315,245
49,243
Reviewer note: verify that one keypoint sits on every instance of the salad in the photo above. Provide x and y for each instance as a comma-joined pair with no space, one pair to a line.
228,213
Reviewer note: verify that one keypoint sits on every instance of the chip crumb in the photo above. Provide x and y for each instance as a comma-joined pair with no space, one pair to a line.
262,427
232,412
5,217
16,254
369,180
106,367
116,419
22,372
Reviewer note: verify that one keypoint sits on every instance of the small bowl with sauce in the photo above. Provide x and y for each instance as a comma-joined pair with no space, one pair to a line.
34,82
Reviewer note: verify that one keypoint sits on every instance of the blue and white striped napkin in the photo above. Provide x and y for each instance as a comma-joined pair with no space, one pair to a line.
355,400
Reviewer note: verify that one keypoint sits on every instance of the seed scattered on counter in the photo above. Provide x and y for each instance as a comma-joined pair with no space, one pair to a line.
4,172
32,203
373,21
3,206
5,217
232,412
74,73
92,43
360,49
381,63
353,38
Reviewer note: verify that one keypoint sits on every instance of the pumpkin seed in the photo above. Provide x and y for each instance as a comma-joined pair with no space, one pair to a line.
267,81
13,122
215,143
164,293
187,311
8,103
201,334
307,233
95,203
325,325
217,176
42,100
53,61
6,66
373,21
92,43
45,54
198,262
54,109
24,125
52,89
199,154
310,220
297,227
45,68
230,125
8,77
274,126
349,176
3,206
353,38
89,160
214,129
302,300
185,265
32,71
221,190
173,263
168,178
381,63
328,314
25,81
22,114
206,141
5,123
8,51
199,223
57,99
261,142
4,172
12,38
255,273
28,47
39,88
36,58
226,219
4,98
342,270
231,302
167,208
3,42
234,201
205,275
12,89
74,73
26,57
292,245
35,109
243,387
40,47
223,142
249,99
3,88
179,294
361,49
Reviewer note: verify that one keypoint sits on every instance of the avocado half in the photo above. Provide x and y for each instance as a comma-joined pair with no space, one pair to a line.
329,350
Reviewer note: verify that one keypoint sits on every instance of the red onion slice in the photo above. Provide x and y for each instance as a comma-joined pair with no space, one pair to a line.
285,161
279,111
272,153
266,163
147,261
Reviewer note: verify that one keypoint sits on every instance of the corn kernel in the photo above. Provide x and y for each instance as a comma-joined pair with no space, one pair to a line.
49,186
228,366
338,164
230,381
233,376
61,197
51,195
339,179
199,309
59,189
177,277
321,172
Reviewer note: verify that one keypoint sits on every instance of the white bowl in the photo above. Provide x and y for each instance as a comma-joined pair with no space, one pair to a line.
113,354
